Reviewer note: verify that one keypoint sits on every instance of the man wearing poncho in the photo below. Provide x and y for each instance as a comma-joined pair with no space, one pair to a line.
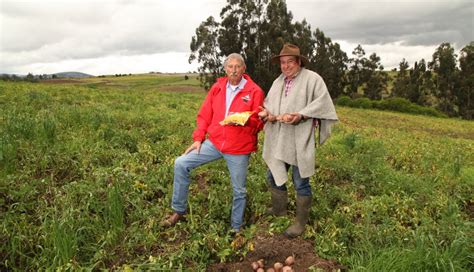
297,105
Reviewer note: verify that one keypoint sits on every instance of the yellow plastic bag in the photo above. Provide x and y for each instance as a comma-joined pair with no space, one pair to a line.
238,118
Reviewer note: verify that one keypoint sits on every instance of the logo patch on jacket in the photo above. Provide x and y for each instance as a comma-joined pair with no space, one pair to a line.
246,98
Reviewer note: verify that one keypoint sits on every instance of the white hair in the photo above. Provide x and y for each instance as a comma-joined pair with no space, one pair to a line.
236,56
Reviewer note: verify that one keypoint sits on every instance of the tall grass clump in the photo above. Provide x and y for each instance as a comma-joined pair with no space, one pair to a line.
49,130
8,152
63,241
115,209
425,255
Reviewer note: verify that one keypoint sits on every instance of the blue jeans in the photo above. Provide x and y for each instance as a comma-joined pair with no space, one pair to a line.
302,185
237,165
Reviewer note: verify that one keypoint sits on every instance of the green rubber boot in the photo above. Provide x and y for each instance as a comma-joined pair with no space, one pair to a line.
303,206
279,202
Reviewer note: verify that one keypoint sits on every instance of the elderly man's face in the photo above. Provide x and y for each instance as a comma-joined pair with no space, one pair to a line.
234,69
290,65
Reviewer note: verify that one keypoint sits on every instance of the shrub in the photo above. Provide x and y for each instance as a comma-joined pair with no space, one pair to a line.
363,103
397,104
403,105
343,100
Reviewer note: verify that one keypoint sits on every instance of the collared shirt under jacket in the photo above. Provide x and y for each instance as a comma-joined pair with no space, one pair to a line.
230,139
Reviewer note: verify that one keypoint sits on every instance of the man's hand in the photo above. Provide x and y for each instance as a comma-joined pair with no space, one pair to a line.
265,115
294,118
195,145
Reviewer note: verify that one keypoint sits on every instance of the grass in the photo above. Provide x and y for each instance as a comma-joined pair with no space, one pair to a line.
86,174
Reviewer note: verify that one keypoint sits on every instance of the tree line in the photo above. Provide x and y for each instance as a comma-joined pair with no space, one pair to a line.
259,28
29,77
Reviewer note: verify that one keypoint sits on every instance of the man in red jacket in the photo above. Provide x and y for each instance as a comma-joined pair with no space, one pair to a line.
232,94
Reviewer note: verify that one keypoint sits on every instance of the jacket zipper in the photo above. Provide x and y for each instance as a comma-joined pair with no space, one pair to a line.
232,102
239,95
223,142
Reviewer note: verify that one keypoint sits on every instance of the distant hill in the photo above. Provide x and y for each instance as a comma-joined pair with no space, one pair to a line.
72,75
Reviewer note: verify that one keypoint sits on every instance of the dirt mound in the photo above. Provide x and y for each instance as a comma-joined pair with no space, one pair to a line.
181,88
59,81
276,249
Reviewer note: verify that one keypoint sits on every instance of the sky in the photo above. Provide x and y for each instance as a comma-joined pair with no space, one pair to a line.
139,36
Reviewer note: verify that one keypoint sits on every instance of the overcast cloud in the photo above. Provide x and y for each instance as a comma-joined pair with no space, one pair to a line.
127,36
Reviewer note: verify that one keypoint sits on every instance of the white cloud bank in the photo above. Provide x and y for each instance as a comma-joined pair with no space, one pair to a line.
138,36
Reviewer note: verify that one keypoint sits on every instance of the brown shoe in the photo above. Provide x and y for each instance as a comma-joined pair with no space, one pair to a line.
171,220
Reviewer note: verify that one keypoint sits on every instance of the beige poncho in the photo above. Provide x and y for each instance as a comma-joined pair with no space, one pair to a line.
295,144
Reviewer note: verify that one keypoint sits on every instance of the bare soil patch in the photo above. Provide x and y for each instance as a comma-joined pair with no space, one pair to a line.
469,208
276,249
181,89
59,81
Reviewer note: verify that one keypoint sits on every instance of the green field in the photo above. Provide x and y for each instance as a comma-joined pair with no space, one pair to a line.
86,173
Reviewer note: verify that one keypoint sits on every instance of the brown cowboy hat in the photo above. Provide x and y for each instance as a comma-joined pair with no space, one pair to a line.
290,50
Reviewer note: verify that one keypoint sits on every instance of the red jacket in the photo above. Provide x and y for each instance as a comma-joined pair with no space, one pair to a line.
230,139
